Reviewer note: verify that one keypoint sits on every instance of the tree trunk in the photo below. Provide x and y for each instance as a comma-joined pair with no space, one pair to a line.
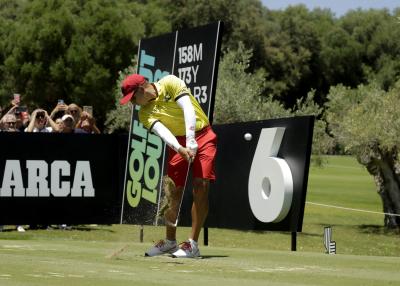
384,167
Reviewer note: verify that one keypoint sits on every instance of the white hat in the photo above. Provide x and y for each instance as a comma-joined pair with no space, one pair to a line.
66,116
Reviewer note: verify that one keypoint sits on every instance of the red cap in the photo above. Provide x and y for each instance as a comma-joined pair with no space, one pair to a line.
129,87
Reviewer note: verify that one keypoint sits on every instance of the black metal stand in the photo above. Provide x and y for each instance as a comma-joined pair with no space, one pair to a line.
141,233
205,232
294,241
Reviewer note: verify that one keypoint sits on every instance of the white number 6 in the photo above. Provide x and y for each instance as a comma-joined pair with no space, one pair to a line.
270,180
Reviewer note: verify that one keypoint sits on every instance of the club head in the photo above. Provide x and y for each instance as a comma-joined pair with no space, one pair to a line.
167,222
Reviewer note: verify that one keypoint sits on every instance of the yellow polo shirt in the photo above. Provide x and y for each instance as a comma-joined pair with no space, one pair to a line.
165,109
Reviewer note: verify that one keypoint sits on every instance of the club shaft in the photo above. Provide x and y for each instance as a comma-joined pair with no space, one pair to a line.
183,192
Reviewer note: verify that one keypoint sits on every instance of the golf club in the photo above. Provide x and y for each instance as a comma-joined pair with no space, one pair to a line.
181,200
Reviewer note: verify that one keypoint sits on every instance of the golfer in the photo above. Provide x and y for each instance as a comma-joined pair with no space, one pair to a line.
170,110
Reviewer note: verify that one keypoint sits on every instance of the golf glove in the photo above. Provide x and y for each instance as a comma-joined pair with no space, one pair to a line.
192,144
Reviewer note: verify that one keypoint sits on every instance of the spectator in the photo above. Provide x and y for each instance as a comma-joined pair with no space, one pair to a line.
69,125
75,111
9,123
59,123
59,110
22,117
10,111
39,120
88,123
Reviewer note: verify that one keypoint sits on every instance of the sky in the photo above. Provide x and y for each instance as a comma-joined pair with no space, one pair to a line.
338,7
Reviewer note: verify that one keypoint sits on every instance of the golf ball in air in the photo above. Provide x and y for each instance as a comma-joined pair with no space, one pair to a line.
248,136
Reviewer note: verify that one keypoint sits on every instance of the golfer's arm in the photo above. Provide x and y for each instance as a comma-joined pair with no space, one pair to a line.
189,114
166,135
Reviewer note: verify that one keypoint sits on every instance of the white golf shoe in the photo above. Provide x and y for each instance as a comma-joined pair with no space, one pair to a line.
187,249
162,247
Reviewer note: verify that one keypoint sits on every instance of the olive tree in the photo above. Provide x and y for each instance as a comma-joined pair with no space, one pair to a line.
366,122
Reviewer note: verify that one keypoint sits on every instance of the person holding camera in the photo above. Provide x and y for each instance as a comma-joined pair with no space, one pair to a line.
87,123
75,111
23,118
39,120
59,110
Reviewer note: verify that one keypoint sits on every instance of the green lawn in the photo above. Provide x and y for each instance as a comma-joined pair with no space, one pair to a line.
366,254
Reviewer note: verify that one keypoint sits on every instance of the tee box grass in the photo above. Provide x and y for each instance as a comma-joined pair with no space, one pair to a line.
366,253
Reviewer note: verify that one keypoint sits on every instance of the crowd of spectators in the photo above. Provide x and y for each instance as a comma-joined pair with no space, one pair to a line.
62,119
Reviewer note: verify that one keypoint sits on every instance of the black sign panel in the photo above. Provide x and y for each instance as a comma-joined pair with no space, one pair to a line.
193,56
60,178
197,53
79,178
229,195
145,152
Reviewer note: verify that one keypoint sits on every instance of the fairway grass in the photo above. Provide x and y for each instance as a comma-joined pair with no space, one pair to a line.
85,263
367,254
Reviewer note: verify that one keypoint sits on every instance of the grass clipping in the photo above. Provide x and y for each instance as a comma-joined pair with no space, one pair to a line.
167,198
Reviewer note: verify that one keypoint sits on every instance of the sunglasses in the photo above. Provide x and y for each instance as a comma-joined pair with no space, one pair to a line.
73,111
11,123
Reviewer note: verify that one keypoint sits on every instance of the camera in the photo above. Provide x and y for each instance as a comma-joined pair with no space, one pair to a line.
40,114
20,109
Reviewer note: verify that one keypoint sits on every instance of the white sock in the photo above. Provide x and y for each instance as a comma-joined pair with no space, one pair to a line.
170,241
193,243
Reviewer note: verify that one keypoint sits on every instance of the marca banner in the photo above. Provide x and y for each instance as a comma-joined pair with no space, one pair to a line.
262,173
193,56
59,178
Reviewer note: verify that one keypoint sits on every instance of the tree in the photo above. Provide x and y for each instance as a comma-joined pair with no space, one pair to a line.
367,122
286,43
374,36
71,49
119,118
242,100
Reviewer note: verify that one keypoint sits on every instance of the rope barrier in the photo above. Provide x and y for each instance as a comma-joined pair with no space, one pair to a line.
351,209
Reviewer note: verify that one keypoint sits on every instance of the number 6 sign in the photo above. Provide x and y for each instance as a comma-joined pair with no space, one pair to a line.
270,181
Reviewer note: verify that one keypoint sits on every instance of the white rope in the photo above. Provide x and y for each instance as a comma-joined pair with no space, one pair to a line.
351,209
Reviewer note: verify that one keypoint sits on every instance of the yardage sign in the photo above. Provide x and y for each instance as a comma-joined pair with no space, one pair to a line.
193,56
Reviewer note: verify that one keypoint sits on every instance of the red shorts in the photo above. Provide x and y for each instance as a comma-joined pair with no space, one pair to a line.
203,165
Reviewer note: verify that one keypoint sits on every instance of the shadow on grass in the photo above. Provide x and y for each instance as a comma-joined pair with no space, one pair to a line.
310,234
266,232
376,229
92,228
179,260
213,256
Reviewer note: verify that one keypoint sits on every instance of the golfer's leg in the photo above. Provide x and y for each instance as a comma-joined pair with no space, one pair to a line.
172,212
199,206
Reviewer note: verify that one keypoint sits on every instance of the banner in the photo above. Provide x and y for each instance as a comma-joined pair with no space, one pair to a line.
60,178
193,56
239,160
262,173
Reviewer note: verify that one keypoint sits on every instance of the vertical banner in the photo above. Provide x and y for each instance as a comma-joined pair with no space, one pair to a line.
196,63
193,56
